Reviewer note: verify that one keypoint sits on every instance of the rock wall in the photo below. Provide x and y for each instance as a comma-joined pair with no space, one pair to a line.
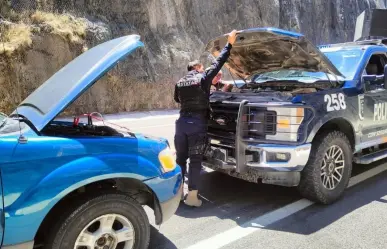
174,32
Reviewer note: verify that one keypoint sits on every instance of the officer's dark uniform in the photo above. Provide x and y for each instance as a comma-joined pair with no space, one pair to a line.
192,92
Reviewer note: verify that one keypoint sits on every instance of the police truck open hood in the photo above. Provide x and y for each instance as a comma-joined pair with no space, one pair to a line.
269,49
65,86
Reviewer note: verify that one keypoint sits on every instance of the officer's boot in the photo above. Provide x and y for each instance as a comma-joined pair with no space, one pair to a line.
182,195
192,199
182,192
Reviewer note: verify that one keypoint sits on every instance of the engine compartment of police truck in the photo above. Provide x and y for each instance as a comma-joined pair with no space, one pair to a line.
283,88
259,121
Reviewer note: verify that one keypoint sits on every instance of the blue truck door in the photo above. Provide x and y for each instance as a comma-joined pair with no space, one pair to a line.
375,101
1,212
7,147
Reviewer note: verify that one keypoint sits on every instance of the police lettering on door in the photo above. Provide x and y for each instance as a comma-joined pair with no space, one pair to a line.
380,111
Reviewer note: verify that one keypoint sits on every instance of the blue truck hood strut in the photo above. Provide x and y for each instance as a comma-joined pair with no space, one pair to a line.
262,50
66,85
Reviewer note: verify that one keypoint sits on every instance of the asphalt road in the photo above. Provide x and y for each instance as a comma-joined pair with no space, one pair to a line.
238,214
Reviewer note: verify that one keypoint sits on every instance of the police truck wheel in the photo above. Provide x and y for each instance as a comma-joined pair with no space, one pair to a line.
327,173
103,222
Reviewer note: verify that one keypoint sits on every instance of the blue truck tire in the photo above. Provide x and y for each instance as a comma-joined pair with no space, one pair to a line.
87,224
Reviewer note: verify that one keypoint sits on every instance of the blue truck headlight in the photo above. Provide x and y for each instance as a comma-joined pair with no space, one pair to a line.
167,160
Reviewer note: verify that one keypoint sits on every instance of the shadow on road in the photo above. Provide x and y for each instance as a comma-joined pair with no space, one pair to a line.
226,197
159,241
317,217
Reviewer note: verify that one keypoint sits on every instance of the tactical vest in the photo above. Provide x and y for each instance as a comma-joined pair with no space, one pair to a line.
192,95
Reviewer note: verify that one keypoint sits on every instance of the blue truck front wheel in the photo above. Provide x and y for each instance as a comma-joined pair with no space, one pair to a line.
111,220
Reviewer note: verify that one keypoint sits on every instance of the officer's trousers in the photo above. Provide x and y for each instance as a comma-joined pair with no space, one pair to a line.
190,142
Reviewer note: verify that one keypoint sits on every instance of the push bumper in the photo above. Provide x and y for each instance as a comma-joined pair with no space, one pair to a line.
288,158
264,157
273,163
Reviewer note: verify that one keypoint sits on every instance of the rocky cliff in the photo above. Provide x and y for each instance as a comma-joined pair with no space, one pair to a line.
40,36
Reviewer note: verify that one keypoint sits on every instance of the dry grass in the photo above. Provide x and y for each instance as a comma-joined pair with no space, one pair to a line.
115,93
111,94
66,26
16,37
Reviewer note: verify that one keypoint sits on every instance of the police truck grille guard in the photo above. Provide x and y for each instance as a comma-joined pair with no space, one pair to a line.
243,139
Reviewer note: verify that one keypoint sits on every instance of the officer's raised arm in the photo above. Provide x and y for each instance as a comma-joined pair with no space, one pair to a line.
221,59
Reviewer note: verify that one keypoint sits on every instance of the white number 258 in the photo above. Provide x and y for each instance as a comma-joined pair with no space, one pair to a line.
335,102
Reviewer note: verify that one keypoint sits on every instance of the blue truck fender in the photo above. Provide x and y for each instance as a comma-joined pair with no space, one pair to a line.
38,201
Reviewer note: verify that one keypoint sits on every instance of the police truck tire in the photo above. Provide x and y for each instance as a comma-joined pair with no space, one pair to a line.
330,157
120,211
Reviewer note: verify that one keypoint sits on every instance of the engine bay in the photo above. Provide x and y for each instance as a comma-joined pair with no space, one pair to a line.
281,88
269,91
90,128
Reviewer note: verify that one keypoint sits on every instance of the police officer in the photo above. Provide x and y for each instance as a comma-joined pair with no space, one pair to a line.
192,92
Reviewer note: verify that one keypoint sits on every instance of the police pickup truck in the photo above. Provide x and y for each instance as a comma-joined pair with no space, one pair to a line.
303,115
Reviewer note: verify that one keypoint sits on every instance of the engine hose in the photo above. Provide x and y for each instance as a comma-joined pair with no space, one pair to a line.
90,115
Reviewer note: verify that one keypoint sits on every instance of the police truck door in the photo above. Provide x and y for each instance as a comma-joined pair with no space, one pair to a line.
374,114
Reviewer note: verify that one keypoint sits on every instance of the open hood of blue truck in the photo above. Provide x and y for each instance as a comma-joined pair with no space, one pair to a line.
65,86
262,50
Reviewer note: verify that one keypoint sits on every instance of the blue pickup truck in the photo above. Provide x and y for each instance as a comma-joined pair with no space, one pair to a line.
303,114
78,184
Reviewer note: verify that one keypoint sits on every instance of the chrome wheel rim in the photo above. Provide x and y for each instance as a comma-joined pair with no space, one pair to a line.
110,231
332,168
